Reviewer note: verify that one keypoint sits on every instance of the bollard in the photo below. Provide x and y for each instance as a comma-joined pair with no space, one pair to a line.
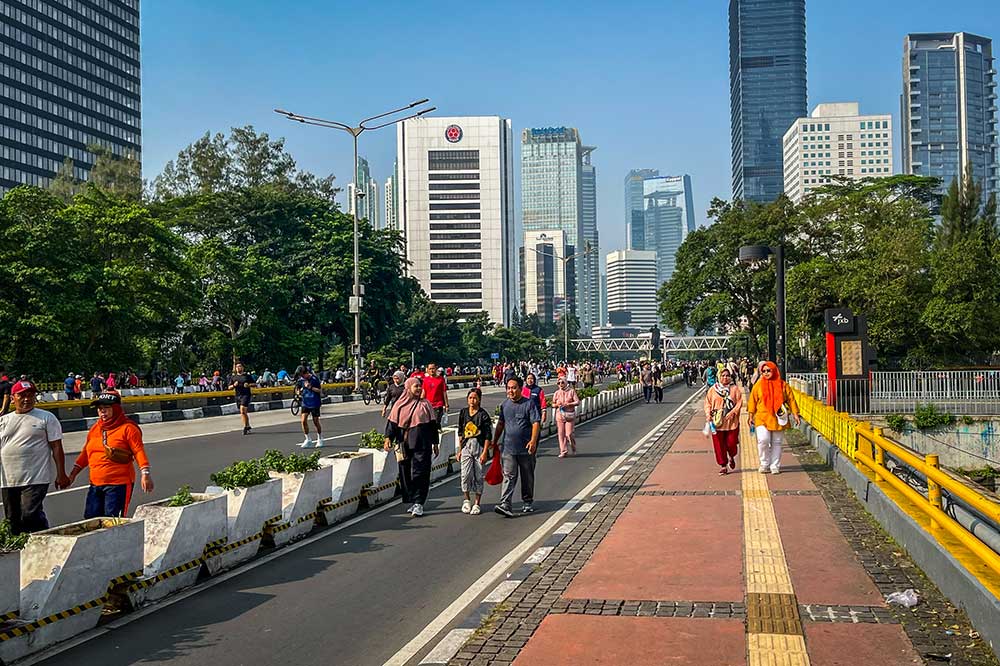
933,489
879,453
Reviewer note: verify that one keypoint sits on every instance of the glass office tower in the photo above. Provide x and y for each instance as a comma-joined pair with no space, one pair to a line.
69,79
767,82
949,108
634,208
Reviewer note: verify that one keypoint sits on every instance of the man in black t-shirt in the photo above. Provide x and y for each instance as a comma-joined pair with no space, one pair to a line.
241,383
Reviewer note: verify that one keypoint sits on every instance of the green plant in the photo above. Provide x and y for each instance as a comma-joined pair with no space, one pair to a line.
181,498
10,541
276,461
968,420
587,392
896,421
614,386
241,474
372,439
927,417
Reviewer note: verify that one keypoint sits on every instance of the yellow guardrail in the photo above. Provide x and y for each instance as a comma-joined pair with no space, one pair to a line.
867,447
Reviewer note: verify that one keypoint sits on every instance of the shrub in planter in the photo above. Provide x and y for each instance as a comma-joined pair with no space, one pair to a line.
385,469
304,484
241,474
372,439
253,499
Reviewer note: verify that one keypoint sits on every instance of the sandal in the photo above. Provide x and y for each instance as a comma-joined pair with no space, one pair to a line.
724,471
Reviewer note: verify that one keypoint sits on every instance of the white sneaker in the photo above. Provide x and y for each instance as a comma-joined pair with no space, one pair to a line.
412,507
762,470
475,511
318,443
775,471
418,509
466,506
306,443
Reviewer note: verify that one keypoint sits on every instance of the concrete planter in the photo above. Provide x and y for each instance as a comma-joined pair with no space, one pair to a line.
68,567
351,473
176,537
10,583
385,474
248,510
446,449
301,494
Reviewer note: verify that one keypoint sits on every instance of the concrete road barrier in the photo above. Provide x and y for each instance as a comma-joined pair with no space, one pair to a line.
248,511
10,584
385,475
302,493
352,472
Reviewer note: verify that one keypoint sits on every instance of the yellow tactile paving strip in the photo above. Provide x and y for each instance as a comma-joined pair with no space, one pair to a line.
765,568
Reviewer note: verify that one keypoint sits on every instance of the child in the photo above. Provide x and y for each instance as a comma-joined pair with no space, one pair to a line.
475,434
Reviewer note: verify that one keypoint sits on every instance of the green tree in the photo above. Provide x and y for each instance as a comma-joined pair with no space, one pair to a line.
120,175
65,185
477,336
430,331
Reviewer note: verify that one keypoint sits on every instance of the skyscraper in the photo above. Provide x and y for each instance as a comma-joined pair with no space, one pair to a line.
70,79
949,108
668,218
553,186
634,208
391,216
590,285
369,201
542,280
632,284
767,87
455,204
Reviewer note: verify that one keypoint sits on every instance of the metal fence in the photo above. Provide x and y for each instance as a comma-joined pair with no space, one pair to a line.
960,392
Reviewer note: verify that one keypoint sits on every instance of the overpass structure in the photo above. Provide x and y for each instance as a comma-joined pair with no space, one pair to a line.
667,344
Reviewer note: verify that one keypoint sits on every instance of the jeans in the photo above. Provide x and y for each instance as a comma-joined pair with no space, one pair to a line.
647,392
107,501
22,506
521,465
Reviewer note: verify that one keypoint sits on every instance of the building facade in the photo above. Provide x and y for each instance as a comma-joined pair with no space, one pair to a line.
543,282
391,217
835,140
369,203
69,79
590,264
949,108
635,206
668,217
455,202
632,284
767,82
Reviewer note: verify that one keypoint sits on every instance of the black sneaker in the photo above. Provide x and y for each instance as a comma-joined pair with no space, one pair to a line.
528,508
503,510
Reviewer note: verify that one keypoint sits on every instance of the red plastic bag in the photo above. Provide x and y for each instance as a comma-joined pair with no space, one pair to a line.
494,475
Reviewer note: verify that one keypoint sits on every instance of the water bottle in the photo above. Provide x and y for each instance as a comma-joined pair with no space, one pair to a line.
711,427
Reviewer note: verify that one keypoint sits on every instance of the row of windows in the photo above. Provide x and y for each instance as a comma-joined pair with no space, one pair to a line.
453,160
455,216
456,196
113,7
67,113
454,186
453,176
877,124
454,225
100,71
33,140
100,47
65,131
24,177
816,127
126,28
455,206
456,236
453,296
54,70
468,306
456,246
874,161
456,266
92,102
457,285
454,255
25,158
457,276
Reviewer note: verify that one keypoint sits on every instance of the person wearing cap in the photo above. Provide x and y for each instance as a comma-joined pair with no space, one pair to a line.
31,457
113,447
70,386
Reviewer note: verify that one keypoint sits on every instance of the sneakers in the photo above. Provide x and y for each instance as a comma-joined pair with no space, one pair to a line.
466,506
319,442
412,507
562,454
246,430
775,471
527,508
762,470
475,510
306,443
503,510
418,510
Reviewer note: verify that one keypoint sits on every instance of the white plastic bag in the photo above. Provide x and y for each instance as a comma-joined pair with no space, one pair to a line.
444,417
906,598
707,430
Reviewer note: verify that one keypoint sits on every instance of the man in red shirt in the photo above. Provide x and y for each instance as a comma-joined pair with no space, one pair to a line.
436,390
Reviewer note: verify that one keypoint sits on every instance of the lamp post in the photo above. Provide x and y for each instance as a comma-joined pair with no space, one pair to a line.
565,261
355,131
753,253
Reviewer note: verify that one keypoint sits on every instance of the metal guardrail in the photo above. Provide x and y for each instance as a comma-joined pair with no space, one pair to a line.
870,449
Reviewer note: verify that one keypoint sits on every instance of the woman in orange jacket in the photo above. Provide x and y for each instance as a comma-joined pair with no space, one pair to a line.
723,403
770,401
113,447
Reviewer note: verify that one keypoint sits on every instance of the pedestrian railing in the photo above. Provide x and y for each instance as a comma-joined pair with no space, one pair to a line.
886,461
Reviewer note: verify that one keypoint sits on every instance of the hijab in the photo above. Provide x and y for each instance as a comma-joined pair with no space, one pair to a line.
409,411
772,388
118,420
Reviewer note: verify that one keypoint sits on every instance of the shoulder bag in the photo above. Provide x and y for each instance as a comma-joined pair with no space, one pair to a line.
113,453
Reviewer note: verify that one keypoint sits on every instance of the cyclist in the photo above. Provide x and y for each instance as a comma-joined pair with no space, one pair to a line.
310,389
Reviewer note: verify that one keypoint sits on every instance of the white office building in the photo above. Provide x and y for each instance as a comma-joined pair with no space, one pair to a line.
455,200
835,140
543,280
391,221
632,285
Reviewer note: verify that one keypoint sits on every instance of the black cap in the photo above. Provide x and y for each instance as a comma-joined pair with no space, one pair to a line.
107,398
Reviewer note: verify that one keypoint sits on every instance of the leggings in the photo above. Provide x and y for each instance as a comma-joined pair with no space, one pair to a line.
564,426
769,447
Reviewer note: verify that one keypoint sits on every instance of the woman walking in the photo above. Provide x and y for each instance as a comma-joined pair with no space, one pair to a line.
723,403
565,401
413,428
769,405
113,447
534,391
392,393
475,439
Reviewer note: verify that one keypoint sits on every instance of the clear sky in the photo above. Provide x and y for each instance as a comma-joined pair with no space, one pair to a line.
645,82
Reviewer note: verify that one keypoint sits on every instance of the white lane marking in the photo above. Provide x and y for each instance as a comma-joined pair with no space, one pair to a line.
584,508
448,647
600,492
346,434
615,479
624,468
565,528
539,555
445,617
501,591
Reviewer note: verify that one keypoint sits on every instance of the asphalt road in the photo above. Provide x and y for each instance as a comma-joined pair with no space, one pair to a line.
360,594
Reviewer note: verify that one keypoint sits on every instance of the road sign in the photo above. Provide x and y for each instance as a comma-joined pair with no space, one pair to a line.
494,356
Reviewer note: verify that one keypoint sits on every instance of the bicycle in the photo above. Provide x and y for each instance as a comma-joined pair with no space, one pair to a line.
370,393
296,405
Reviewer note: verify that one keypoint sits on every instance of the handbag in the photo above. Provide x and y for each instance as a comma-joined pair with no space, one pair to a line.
113,453
494,475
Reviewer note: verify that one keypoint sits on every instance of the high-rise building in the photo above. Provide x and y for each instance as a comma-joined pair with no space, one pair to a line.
455,205
69,79
391,217
543,285
767,87
835,140
369,201
632,284
553,188
590,286
668,217
635,206
949,108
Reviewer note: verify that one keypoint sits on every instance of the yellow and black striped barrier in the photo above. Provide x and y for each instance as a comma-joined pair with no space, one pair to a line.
370,490
162,576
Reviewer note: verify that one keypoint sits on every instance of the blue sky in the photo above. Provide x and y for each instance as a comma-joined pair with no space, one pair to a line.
646,82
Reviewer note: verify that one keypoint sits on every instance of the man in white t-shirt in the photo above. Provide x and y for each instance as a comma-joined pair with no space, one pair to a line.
31,457
571,374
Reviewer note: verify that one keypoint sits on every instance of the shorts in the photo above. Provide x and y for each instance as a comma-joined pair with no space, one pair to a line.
243,401
310,411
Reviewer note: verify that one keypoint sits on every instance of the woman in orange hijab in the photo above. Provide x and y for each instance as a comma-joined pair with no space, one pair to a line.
769,405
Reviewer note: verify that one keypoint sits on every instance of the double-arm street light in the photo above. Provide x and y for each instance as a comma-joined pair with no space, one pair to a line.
565,261
753,253
355,131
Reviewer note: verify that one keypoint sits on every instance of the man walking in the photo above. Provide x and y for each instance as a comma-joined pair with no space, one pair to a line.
31,457
436,391
517,428
242,383
311,390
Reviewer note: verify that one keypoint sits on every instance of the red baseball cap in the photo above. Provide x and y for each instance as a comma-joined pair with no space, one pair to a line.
21,386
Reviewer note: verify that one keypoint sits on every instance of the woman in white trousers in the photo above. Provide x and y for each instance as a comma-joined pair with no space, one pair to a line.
771,409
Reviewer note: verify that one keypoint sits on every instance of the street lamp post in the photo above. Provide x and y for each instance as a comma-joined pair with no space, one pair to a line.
565,261
753,253
355,131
